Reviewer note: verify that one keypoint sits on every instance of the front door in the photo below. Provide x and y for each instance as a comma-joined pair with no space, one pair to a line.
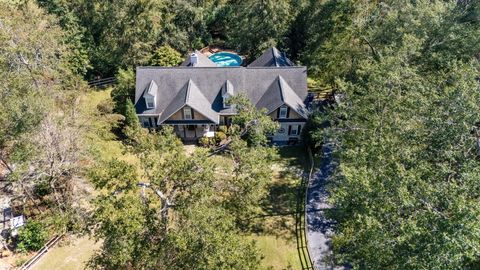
190,132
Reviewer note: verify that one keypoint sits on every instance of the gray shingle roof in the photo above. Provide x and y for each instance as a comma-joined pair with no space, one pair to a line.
292,99
280,93
203,61
254,82
192,96
152,88
272,58
227,88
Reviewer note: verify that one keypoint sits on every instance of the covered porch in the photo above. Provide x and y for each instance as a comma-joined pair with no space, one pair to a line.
193,132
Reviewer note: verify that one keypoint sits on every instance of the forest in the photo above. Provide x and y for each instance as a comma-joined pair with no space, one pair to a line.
404,129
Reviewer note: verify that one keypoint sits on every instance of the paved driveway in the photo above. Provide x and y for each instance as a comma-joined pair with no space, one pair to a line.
319,228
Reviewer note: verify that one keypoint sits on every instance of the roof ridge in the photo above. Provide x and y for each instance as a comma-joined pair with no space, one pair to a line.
282,94
187,95
274,56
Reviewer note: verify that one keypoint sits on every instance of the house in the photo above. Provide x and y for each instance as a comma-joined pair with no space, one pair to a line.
192,97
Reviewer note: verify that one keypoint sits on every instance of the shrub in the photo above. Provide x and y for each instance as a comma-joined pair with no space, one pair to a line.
106,107
31,237
220,136
42,188
206,141
166,56
223,129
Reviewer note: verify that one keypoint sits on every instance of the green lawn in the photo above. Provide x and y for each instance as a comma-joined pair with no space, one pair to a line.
71,255
275,233
102,142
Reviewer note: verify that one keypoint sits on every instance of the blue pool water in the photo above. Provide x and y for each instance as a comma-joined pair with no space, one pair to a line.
225,59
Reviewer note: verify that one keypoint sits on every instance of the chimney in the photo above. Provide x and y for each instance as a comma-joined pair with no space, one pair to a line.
194,59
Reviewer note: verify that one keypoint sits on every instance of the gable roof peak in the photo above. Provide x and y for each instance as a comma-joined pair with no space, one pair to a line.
191,96
272,57
291,98
152,89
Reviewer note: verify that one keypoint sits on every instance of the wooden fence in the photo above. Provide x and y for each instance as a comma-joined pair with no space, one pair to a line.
301,218
102,83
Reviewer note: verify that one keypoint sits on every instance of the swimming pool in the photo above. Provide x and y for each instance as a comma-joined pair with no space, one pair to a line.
226,59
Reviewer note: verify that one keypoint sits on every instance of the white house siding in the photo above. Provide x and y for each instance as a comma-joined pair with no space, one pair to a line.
282,133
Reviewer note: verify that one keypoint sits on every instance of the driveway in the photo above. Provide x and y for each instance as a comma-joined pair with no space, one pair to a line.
319,228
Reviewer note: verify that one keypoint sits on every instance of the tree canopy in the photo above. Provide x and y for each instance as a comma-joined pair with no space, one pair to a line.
403,130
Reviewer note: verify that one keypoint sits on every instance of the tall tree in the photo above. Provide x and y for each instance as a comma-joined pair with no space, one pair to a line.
258,25
170,217
404,131
38,149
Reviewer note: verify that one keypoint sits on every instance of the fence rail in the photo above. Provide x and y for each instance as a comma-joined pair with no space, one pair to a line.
102,82
32,261
300,219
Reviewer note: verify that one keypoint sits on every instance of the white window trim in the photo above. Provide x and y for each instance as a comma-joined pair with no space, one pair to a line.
294,128
283,109
189,110
225,105
152,99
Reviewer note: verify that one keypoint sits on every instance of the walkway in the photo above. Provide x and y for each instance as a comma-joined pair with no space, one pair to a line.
319,228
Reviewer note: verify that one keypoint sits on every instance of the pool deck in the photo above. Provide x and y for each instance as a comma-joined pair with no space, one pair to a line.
210,50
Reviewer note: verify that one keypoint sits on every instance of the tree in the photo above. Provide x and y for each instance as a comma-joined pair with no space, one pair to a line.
39,133
78,60
166,56
131,124
251,174
250,123
404,192
258,25
170,217
124,90
31,237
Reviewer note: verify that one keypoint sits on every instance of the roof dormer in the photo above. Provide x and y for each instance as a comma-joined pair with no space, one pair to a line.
227,92
150,95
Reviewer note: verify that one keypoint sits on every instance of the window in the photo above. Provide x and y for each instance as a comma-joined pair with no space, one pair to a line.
145,122
293,130
283,112
225,105
187,113
150,102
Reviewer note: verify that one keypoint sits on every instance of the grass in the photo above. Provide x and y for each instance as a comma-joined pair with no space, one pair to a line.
275,232
278,253
102,143
72,255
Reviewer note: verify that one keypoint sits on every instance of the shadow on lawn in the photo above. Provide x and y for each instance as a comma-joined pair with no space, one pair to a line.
278,208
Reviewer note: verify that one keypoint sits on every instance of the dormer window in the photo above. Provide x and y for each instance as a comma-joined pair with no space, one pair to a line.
150,101
227,92
187,113
283,112
225,102
150,95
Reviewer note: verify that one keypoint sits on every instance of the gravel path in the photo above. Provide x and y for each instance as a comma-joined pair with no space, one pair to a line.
319,228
